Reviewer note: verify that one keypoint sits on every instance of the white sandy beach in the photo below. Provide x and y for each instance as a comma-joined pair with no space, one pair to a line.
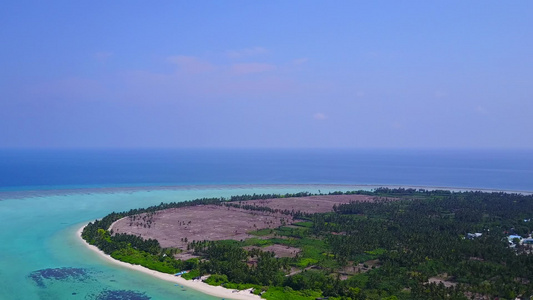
198,285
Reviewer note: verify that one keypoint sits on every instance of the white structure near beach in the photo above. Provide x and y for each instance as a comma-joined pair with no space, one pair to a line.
472,236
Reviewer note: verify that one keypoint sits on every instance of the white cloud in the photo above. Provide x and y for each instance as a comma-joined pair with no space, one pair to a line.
191,64
300,61
249,68
481,110
397,125
440,94
102,55
320,116
246,52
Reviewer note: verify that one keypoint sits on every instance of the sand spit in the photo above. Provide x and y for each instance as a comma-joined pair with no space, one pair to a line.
197,285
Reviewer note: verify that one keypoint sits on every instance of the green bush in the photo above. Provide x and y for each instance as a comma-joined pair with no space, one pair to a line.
192,274
154,262
217,280
287,293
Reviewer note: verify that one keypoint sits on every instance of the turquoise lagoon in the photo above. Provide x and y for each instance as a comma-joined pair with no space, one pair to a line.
42,258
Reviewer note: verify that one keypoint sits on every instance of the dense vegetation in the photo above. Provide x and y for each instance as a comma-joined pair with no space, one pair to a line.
149,253
386,249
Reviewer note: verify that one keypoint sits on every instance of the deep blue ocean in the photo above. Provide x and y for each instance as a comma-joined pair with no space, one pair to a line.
47,195
56,169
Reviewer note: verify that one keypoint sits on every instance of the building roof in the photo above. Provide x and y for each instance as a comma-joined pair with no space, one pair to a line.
513,236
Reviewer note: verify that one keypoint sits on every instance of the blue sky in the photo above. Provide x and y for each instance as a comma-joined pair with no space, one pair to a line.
267,74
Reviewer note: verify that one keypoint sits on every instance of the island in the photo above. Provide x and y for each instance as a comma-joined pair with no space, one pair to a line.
381,244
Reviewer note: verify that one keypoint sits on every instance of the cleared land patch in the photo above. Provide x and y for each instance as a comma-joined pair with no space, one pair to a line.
279,250
311,204
176,227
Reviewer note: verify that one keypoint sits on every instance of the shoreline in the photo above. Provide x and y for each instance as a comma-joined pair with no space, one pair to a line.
196,285
8,194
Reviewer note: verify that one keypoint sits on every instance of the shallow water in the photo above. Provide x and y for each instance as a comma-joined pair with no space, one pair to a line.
42,258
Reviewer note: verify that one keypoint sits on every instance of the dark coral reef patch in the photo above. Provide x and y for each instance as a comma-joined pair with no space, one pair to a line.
121,295
63,274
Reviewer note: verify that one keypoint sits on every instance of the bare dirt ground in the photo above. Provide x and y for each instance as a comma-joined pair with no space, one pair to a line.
312,204
177,226
279,250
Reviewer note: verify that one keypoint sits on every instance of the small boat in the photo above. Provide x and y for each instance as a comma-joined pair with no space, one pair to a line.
180,273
